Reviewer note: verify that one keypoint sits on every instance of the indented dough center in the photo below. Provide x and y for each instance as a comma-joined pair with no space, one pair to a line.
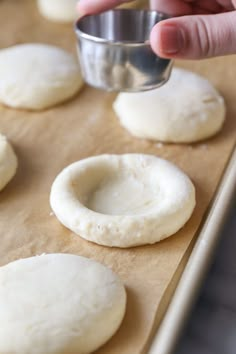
123,194
123,200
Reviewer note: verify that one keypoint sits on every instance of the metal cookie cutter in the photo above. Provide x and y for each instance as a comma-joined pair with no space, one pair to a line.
115,52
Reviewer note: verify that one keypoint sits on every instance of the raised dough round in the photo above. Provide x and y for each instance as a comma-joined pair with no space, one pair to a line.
37,76
186,109
8,162
58,304
58,10
123,200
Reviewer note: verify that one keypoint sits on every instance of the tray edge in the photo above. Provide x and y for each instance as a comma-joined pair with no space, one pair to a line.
190,282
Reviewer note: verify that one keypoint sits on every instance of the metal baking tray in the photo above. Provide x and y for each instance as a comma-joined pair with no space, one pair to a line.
170,329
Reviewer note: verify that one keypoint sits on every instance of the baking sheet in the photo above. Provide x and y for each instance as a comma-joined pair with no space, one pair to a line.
45,142
165,339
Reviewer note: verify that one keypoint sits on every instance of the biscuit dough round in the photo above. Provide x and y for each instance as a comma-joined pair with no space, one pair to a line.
58,304
123,200
37,76
8,162
58,10
186,109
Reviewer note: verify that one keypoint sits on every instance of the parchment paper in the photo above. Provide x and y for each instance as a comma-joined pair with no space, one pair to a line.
45,142
135,4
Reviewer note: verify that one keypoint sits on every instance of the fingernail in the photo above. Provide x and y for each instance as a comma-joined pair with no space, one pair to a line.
171,39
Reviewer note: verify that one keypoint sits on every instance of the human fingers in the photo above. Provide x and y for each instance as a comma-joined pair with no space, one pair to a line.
186,7
195,37
227,4
209,5
86,7
172,7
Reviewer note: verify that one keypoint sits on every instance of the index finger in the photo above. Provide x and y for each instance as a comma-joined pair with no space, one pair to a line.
173,7
86,7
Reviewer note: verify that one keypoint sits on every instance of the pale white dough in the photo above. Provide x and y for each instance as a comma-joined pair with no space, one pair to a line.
8,162
123,200
186,109
37,76
58,304
58,10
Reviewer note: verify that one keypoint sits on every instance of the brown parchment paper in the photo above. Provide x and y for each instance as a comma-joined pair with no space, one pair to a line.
45,142
135,4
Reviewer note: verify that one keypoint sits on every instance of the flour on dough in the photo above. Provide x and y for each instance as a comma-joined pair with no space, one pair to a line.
186,109
8,162
58,304
37,76
58,10
123,200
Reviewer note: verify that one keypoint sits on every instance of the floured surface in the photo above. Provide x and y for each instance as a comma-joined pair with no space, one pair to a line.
46,142
123,195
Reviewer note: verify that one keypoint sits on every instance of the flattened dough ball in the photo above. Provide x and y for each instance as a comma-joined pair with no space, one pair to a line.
37,76
186,109
58,304
8,162
58,10
123,200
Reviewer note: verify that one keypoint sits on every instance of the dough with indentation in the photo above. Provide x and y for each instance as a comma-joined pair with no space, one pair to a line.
8,162
58,304
58,10
186,109
37,76
123,200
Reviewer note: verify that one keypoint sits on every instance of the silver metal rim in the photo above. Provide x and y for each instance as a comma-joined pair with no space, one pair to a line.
95,39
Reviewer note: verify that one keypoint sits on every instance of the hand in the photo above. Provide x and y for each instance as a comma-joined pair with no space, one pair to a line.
206,28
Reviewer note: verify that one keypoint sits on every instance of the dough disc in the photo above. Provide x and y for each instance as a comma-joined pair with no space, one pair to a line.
37,76
123,200
58,304
58,10
186,109
8,162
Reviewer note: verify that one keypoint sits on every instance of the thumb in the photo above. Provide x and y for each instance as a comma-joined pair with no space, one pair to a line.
195,37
